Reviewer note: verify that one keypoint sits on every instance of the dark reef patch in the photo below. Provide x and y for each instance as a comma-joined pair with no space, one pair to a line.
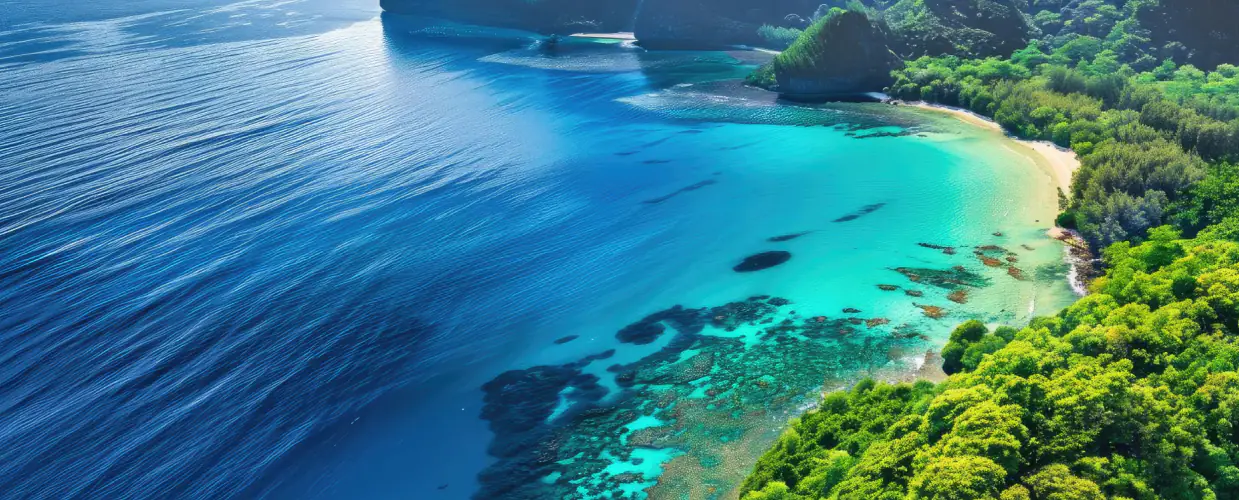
880,134
558,433
655,142
686,189
739,146
762,261
651,327
865,210
787,237
945,249
950,279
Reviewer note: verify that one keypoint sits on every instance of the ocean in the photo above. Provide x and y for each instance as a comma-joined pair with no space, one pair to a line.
299,249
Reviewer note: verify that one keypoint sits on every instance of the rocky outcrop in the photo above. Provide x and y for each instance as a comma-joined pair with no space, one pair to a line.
844,53
976,28
697,24
543,16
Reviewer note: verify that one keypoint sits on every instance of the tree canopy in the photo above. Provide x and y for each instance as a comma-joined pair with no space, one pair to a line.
1130,393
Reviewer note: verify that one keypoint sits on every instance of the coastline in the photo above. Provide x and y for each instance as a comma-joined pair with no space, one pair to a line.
1060,163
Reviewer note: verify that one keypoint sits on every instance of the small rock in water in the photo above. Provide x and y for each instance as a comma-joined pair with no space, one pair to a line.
865,210
933,312
851,310
762,261
787,237
565,340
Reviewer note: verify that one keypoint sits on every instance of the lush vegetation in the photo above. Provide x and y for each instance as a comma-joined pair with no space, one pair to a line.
778,36
1144,138
844,51
1154,137
974,28
1133,392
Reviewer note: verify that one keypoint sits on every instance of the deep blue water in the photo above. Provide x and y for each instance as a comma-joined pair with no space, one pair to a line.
272,248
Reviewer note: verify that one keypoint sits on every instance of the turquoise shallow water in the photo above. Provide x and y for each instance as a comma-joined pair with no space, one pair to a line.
276,249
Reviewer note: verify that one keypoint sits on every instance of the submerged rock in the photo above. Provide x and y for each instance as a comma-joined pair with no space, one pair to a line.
945,249
686,189
933,312
651,327
865,210
951,279
787,237
762,261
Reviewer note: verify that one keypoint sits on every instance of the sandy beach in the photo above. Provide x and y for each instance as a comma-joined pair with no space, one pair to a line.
1060,163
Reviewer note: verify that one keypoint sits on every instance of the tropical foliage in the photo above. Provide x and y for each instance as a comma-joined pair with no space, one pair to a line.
1144,138
1131,393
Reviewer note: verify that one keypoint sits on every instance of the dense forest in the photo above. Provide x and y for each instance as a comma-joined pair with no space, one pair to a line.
1133,392
1130,393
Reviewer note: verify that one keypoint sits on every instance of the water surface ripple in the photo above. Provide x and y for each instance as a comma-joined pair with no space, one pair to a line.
231,235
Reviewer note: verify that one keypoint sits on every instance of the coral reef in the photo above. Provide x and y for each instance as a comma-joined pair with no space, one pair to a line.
698,411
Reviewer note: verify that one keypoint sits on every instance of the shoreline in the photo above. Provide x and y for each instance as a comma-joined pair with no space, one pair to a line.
622,35
1060,163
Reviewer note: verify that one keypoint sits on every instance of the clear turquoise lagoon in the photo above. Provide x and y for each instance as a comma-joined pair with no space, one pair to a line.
291,250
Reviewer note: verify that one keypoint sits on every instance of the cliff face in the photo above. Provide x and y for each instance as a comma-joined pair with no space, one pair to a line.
844,53
690,24
977,28
543,16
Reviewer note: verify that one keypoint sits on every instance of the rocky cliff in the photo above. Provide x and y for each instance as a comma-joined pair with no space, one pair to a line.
690,24
543,16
